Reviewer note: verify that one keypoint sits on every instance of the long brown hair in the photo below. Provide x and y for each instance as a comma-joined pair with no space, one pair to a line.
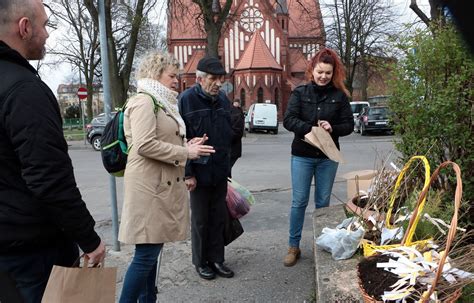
328,56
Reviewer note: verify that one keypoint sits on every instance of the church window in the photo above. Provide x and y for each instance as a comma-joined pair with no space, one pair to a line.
242,96
251,19
260,95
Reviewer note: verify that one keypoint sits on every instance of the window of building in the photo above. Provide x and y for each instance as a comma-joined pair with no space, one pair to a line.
242,97
260,95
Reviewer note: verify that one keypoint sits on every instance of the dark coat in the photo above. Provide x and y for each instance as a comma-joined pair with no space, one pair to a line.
237,118
310,103
40,204
208,115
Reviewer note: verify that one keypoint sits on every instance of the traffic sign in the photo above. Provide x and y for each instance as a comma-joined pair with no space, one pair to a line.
82,92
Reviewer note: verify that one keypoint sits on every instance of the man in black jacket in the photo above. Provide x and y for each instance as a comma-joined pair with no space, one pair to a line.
42,215
206,111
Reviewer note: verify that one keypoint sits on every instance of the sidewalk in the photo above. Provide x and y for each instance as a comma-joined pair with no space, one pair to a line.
256,257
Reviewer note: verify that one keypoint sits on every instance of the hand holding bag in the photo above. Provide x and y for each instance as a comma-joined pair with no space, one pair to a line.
79,285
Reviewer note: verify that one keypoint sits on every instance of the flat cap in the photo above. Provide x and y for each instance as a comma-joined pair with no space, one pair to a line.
211,65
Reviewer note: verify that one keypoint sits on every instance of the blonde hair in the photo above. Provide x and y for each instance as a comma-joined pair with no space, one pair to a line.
154,63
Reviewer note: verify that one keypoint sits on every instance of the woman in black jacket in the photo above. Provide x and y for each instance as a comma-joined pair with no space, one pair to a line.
322,102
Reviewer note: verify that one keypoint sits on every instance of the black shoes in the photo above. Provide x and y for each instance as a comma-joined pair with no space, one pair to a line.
221,270
205,272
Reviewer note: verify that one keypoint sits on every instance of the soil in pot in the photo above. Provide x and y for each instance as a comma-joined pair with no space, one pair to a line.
376,280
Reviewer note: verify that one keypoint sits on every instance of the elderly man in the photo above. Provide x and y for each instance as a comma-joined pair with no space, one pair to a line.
206,111
42,215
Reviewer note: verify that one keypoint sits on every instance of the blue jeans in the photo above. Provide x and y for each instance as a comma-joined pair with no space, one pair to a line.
302,171
139,282
30,270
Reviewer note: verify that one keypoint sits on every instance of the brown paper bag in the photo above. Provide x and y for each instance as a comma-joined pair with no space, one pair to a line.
321,139
81,285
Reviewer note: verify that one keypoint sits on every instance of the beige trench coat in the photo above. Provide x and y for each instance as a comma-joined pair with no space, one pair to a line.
155,208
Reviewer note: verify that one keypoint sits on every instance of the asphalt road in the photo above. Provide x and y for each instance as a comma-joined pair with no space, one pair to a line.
257,256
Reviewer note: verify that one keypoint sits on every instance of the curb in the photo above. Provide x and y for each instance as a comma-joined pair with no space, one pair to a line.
335,281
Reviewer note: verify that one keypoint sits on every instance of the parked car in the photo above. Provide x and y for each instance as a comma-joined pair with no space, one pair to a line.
262,116
374,119
357,107
95,130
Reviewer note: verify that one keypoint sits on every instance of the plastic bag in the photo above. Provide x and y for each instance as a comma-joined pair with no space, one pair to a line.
238,199
245,193
342,243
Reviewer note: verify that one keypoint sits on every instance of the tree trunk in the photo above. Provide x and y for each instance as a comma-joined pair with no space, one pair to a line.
213,36
364,79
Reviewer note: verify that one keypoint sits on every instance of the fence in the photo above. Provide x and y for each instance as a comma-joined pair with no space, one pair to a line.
73,123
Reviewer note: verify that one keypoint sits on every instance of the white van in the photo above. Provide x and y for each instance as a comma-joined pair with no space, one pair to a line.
262,116
357,107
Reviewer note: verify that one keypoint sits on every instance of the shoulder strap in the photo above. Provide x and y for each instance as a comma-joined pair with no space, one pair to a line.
156,105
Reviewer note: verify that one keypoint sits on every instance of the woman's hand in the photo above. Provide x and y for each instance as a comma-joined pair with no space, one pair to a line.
196,149
198,140
325,125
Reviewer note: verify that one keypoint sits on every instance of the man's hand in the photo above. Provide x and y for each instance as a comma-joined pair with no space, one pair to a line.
191,183
98,255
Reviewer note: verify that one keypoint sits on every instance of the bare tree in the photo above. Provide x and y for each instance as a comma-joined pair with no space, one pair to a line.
79,43
211,18
129,30
436,12
124,21
358,30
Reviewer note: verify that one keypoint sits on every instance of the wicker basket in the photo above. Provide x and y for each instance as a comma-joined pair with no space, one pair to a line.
370,247
452,232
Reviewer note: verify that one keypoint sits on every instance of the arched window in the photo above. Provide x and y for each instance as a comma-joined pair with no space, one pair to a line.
260,95
242,97
277,97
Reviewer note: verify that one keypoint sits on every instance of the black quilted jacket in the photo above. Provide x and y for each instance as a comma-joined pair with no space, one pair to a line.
310,103
40,204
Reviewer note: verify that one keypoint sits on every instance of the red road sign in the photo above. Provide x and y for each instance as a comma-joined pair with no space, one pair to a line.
82,92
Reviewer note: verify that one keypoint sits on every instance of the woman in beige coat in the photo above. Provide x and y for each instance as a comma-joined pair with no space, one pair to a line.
155,207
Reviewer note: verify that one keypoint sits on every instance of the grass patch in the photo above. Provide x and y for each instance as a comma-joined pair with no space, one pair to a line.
74,134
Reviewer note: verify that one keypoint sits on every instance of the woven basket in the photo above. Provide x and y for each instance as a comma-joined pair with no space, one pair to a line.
452,232
370,247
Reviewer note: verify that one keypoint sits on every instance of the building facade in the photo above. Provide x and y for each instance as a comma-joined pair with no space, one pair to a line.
264,46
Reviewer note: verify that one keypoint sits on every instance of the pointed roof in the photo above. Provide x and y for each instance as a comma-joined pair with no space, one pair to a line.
257,55
299,63
191,66
305,19
294,82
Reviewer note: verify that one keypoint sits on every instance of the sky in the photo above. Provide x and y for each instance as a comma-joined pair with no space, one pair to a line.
54,76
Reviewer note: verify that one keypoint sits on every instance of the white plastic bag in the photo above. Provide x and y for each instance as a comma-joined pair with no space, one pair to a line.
342,243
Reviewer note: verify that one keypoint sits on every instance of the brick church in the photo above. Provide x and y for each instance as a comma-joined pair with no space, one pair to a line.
264,46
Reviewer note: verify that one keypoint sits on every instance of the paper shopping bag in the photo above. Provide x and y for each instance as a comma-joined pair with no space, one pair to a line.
81,285
321,139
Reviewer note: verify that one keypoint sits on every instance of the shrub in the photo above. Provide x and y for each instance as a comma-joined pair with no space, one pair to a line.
432,102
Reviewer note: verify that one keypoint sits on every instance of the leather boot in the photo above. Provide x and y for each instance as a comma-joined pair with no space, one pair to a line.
292,256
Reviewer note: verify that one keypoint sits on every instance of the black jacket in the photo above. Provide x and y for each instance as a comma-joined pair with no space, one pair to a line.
237,119
208,115
40,204
310,103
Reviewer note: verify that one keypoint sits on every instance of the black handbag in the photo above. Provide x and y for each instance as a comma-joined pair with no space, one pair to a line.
232,229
